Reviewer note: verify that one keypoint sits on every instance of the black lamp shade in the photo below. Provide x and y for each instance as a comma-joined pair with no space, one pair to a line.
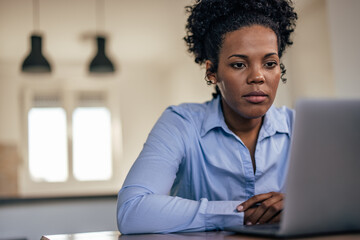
36,62
101,63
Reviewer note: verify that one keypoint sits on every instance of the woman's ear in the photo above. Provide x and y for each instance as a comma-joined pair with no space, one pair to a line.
210,75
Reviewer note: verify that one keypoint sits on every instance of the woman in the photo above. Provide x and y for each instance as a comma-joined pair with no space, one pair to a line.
221,163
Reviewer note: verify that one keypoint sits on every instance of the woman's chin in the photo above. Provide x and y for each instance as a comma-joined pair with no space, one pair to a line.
255,112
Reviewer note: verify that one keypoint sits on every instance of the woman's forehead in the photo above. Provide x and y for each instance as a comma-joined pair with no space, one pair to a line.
250,39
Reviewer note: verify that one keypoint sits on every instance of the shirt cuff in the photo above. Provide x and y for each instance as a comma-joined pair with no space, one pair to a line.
221,214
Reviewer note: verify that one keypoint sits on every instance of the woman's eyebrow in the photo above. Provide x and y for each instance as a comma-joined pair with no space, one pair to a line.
245,56
238,55
270,54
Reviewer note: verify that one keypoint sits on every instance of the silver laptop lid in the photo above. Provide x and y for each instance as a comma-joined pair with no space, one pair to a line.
323,182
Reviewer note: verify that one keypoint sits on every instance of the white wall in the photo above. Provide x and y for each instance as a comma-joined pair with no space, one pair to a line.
309,59
324,60
344,20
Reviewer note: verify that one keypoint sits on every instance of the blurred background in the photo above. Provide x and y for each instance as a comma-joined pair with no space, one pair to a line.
44,117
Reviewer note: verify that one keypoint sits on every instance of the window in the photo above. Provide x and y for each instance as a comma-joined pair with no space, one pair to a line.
70,139
92,144
47,144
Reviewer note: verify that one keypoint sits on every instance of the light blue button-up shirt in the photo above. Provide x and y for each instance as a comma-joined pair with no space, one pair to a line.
194,171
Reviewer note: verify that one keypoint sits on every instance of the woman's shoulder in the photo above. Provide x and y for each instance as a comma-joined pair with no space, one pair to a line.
189,108
181,120
192,112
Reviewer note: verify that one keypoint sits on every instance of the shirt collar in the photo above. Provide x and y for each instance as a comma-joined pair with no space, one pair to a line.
274,121
213,116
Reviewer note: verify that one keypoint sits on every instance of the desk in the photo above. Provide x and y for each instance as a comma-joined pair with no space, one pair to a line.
179,236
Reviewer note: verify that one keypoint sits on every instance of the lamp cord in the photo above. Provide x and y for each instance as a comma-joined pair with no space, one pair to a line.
100,9
36,17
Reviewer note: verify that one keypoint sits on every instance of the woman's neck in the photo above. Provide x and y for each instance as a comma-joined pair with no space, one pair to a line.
246,129
238,124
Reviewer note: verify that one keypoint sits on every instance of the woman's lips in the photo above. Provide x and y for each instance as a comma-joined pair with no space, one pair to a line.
255,97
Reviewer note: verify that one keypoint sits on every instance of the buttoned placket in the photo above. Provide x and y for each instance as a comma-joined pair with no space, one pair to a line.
247,165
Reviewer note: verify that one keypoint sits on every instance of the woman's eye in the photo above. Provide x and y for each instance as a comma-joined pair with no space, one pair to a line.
238,65
271,64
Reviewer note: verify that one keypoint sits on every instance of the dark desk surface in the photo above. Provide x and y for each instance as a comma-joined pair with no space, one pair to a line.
178,236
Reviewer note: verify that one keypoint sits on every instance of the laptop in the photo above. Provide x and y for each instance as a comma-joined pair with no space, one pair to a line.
323,178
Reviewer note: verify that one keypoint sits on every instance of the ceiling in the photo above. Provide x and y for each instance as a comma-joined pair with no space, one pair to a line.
139,30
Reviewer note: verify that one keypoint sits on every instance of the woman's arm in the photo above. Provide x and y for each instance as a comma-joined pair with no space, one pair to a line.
144,205
146,212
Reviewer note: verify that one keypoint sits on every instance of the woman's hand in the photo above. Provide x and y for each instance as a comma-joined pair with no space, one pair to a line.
262,208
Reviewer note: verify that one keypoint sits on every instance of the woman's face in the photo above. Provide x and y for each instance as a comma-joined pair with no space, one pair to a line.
248,72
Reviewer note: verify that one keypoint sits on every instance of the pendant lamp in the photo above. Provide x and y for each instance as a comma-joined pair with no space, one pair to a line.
36,62
101,63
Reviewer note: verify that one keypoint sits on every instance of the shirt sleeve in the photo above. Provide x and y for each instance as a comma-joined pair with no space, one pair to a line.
144,204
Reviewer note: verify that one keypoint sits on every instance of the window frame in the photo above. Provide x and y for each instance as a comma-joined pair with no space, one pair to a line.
69,93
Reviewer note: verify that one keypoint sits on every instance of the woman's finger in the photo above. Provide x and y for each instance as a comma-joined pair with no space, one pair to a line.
271,212
276,219
253,201
248,213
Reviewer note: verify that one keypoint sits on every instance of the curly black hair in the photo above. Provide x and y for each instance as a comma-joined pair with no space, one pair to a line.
210,20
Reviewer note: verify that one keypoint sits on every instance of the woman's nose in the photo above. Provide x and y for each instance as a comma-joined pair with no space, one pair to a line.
256,77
